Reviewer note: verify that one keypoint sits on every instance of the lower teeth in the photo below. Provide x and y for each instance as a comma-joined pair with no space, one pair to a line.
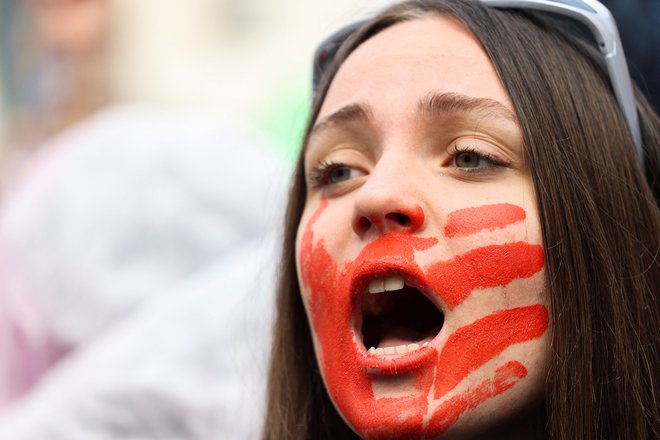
399,349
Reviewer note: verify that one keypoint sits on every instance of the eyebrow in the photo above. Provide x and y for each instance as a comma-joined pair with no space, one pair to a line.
449,103
348,114
433,103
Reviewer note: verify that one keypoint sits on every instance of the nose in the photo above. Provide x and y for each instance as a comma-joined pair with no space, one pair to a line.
387,202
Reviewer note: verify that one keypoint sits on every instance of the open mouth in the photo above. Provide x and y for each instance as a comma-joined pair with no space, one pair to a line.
397,318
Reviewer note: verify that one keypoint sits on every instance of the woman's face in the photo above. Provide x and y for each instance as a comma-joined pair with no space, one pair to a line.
419,250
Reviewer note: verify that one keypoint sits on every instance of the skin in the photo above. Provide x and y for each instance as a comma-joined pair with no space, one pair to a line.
434,190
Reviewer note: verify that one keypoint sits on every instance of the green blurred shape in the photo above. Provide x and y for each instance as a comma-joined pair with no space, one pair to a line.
283,116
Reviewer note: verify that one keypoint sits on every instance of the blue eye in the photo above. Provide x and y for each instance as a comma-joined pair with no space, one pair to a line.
340,174
331,173
468,159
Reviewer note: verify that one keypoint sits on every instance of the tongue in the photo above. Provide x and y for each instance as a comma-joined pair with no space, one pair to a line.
400,336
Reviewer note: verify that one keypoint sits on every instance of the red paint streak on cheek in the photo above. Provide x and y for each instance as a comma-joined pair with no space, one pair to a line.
448,413
329,314
488,266
470,220
306,245
469,347
348,384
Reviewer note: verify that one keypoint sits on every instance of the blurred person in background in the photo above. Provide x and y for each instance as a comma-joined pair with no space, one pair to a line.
135,264
54,61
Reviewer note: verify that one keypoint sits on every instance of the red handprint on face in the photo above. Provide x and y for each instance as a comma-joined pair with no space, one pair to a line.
349,372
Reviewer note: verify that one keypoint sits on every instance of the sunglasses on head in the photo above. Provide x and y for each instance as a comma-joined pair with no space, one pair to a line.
591,13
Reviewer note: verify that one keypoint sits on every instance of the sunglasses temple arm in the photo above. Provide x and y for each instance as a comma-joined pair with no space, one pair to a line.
620,79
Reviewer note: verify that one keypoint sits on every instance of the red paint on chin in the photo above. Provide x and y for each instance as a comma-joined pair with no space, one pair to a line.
470,220
346,374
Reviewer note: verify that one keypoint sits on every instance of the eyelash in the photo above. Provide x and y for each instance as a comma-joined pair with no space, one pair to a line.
491,160
319,175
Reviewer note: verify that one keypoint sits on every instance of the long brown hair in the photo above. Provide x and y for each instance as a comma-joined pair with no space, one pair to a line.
601,233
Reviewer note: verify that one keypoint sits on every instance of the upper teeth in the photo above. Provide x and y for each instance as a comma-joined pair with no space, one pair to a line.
386,284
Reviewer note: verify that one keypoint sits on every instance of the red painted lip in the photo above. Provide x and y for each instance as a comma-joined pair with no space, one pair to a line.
414,277
398,364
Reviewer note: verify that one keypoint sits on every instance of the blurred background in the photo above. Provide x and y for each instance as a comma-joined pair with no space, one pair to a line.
61,60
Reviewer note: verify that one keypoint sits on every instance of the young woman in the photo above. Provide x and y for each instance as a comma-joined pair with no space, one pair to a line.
472,239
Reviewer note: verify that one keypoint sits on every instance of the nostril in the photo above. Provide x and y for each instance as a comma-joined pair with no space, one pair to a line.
399,218
364,224
409,218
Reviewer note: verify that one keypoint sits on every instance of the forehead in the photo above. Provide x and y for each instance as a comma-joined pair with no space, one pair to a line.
393,69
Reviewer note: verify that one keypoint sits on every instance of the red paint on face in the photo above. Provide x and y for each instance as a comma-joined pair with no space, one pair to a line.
309,272
348,381
415,215
343,359
471,346
488,266
446,415
470,220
